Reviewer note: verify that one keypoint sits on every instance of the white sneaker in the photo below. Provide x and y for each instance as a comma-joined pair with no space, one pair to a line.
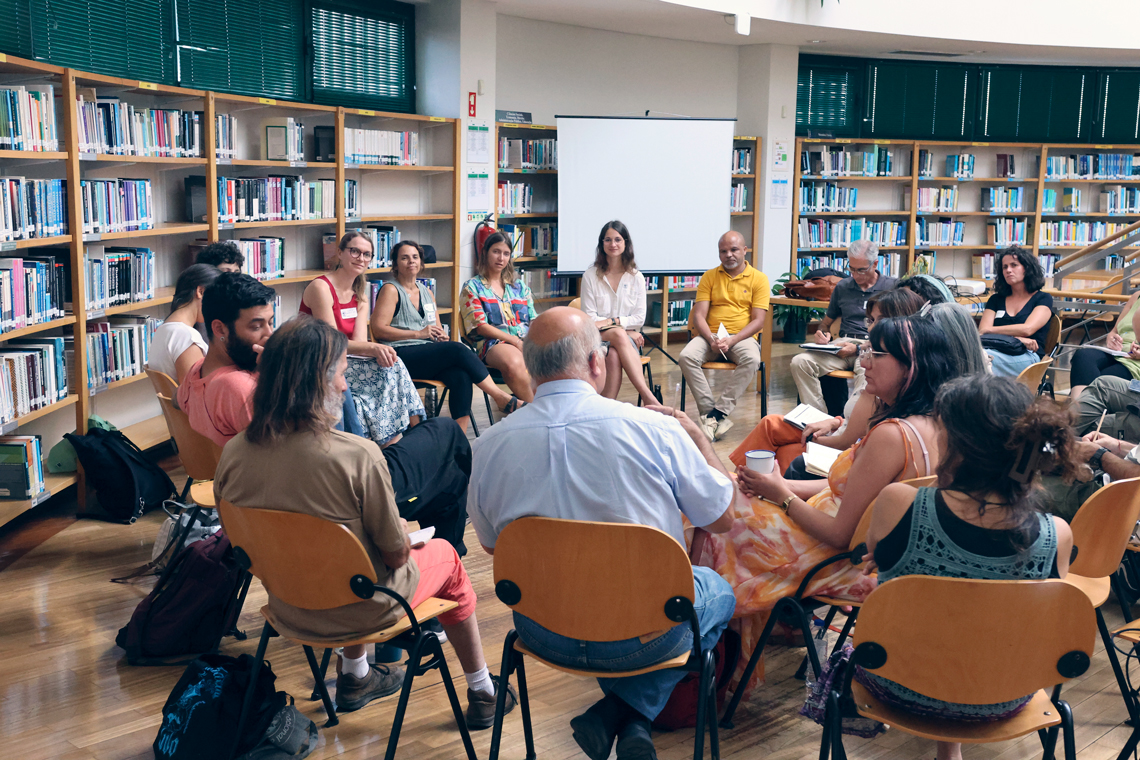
708,424
722,427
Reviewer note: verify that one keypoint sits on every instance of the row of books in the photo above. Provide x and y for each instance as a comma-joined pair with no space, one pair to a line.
27,118
375,285
678,315
1092,166
375,146
738,197
117,205
674,282
959,165
1115,199
514,197
742,161
108,125
941,232
383,236
936,199
840,233
264,256
1006,232
528,154
118,275
274,199
1003,199
889,264
33,290
32,208
984,264
827,196
33,374
1077,233
543,283
225,136
833,161
532,239
1070,200
118,348
21,467
286,141
351,198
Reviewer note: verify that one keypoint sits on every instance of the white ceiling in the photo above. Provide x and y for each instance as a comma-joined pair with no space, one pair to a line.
655,18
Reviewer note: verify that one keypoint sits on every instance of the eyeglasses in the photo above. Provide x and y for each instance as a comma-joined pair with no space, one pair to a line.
861,270
867,355
356,253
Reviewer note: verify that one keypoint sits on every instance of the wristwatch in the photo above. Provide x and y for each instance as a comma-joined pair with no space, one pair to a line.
1094,460
787,503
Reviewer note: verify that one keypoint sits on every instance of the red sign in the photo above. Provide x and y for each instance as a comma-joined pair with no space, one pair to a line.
470,104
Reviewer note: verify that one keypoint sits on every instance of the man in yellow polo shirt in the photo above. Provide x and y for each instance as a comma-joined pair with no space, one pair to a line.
735,295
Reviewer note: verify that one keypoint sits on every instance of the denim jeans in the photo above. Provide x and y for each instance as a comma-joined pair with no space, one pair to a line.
646,693
349,421
1005,365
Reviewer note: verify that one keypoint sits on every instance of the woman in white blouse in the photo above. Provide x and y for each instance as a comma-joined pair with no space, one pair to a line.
177,345
613,294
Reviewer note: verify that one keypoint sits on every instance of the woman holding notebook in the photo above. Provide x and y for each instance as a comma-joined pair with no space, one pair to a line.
1091,363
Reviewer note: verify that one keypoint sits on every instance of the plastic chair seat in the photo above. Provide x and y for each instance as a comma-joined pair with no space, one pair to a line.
428,609
676,662
1038,714
1128,632
202,493
843,374
1096,589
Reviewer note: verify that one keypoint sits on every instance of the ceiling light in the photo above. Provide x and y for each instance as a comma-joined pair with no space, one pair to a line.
743,23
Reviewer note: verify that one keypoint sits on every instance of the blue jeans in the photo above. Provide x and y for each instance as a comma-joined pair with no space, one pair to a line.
349,421
1005,365
646,693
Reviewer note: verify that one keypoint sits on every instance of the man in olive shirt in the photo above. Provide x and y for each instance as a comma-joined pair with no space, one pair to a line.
734,295
848,303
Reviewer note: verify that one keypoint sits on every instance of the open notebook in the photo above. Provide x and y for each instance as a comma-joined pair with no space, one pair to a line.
819,458
803,415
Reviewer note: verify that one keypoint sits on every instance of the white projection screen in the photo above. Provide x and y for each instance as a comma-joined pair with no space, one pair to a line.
668,180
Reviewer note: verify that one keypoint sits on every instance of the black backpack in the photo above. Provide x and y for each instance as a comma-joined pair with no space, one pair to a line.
126,482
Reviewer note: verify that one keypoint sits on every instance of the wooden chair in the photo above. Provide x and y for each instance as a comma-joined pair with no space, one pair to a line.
648,370
440,392
198,453
1051,341
761,379
1032,377
164,384
944,659
336,571
589,581
795,610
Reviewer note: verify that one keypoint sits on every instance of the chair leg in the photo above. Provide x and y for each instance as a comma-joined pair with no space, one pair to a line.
405,692
233,613
1067,729
524,703
682,392
456,708
186,490
1130,745
510,658
763,391
439,404
490,416
318,678
757,653
710,717
1121,679
708,671
1122,598
846,632
266,633
474,425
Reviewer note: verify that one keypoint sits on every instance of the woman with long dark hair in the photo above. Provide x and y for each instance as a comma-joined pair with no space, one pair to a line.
176,345
1017,309
613,295
985,517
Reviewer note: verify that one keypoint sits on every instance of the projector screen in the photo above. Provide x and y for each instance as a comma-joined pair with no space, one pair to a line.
668,180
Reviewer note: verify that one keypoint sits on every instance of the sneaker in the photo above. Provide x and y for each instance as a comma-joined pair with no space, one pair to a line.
434,626
722,427
634,741
481,707
353,693
708,424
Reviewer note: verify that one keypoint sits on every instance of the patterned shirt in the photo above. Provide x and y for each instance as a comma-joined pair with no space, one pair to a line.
481,306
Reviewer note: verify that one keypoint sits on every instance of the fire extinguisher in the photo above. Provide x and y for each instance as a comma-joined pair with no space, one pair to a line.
483,230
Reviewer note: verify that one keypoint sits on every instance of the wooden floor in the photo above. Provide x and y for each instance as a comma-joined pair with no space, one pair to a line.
66,691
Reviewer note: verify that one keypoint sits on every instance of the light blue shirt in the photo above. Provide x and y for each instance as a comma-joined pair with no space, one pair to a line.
574,455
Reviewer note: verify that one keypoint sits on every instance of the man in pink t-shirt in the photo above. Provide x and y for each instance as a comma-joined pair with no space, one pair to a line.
217,392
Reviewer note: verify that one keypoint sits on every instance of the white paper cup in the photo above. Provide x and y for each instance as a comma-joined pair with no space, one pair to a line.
761,461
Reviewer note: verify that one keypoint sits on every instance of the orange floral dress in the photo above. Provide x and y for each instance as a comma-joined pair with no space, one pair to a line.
766,555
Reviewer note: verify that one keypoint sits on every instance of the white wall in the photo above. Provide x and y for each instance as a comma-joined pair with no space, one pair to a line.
549,69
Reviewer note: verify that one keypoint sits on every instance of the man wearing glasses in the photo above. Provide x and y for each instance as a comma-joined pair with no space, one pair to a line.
848,304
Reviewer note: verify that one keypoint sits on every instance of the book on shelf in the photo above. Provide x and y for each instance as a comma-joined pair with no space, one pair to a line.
934,199
1118,199
543,283
531,239
960,166
116,205
109,125
840,233
351,198
118,348
1070,199
374,288
225,136
941,232
652,282
678,315
816,197
805,264
27,118
276,198
1005,232
383,236
528,154
682,282
21,466
514,197
32,376
32,208
264,256
324,144
379,147
284,139
834,161
742,161
1006,167
118,275
1003,199
925,163
276,320
1092,166
738,197
32,291
1072,234
804,415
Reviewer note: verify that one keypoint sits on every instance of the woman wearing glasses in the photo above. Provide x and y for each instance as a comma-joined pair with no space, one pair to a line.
386,400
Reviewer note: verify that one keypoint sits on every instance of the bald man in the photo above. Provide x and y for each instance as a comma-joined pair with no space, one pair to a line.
574,455
734,295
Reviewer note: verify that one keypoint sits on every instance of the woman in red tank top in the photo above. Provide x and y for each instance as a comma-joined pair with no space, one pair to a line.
386,399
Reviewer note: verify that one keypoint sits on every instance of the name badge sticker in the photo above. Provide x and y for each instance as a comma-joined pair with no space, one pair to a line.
429,311
349,313
1001,313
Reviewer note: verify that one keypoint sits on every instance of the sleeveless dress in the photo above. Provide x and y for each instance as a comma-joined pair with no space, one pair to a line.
931,551
385,397
766,555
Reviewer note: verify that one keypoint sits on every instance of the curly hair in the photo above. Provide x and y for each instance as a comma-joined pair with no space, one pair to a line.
1034,274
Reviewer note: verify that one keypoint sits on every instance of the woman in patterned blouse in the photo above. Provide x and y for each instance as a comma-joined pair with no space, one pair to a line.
497,309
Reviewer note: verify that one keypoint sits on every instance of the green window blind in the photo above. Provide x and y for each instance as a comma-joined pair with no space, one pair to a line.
825,99
363,58
248,47
127,38
1119,106
16,31
1036,103
919,101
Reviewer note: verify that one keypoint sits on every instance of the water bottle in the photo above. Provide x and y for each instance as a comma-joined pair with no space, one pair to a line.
818,640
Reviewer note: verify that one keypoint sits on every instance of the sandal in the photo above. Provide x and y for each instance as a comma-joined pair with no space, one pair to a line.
513,405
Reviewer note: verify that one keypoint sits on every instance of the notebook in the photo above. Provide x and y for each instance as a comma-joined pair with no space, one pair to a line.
803,415
819,458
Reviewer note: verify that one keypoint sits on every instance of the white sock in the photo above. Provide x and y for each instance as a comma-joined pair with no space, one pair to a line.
355,666
481,681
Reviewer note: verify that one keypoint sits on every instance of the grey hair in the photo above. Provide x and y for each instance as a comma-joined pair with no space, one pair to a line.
955,322
863,249
569,355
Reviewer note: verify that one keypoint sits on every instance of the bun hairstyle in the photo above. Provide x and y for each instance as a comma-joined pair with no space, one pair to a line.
998,438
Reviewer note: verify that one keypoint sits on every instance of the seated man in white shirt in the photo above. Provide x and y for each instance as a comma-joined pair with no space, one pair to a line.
561,457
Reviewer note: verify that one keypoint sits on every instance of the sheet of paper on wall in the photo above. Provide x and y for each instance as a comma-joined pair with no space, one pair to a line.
803,415
478,192
819,458
478,141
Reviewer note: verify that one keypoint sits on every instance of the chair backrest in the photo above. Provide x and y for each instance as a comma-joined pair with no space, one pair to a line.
302,560
1053,337
575,303
860,535
591,581
164,384
1031,375
972,641
198,453
1102,526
